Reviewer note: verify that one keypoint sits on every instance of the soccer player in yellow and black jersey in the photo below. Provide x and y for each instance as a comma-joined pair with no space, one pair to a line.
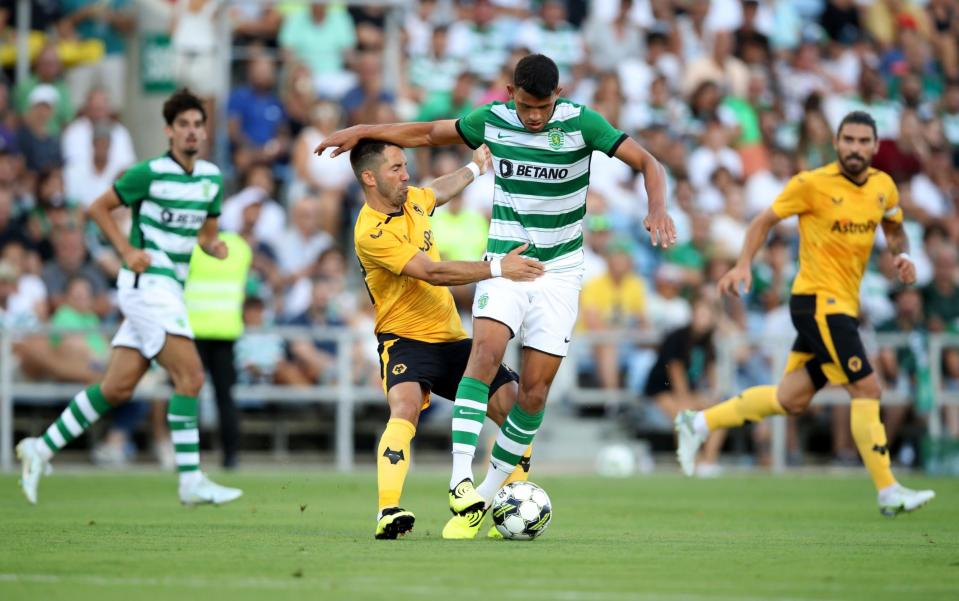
839,208
423,347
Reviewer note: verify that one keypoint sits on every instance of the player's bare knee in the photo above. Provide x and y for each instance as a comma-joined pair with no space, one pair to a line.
116,393
484,360
793,403
532,396
405,409
188,380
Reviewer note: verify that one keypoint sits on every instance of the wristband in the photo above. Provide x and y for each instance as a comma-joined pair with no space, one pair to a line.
496,266
905,256
474,169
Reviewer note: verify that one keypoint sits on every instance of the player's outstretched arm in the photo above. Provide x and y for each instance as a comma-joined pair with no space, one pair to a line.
453,273
407,135
898,244
99,211
741,273
658,223
450,185
208,239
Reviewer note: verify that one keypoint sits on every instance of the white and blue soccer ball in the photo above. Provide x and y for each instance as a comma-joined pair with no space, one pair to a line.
521,511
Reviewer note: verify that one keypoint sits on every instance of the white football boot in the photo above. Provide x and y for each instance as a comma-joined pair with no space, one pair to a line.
34,466
203,490
899,499
687,441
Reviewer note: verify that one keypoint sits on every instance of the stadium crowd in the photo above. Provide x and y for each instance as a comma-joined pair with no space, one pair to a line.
732,96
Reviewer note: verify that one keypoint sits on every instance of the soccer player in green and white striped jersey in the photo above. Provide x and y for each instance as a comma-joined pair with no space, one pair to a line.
541,145
175,199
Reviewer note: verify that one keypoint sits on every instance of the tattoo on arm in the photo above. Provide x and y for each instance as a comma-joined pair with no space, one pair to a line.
451,184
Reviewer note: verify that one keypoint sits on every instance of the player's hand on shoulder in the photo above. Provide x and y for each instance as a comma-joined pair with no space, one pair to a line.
662,230
218,249
341,141
739,275
483,158
519,268
137,260
905,268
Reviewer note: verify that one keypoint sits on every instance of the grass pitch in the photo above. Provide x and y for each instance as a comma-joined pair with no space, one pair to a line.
305,535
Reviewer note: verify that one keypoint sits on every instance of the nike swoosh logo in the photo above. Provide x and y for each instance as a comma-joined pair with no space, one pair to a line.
567,341
500,136
469,413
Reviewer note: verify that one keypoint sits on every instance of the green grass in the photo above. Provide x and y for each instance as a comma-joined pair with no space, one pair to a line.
308,535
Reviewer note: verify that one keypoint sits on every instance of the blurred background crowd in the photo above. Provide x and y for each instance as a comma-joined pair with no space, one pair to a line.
732,96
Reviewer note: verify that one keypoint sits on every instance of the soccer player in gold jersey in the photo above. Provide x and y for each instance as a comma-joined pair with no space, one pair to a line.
423,347
839,208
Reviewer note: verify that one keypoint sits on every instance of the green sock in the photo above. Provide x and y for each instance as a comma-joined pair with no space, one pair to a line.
469,411
84,409
514,438
181,416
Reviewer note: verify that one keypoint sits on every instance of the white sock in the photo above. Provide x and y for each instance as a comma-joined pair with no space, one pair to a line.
462,468
699,424
190,478
888,489
495,477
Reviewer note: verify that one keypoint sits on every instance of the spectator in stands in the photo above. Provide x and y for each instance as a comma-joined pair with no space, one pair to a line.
931,192
77,145
714,153
259,189
195,59
109,21
40,148
666,308
362,101
815,141
321,36
297,252
298,95
597,236
31,294
70,262
86,179
52,209
454,104
8,118
902,157
481,39
324,176
254,23
940,298
609,43
49,71
614,301
720,67
435,70
551,34
764,186
260,356
11,227
257,120
316,358
684,375
949,115
12,314
75,312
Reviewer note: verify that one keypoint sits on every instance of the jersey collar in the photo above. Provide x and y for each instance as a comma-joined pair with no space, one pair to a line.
182,166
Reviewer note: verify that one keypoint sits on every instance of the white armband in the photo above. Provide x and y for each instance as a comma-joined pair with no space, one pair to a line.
495,266
474,169
905,256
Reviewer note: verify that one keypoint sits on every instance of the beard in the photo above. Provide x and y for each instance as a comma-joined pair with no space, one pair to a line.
853,164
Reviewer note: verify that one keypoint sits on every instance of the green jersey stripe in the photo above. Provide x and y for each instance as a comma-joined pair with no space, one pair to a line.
192,205
174,256
502,247
529,220
164,271
548,205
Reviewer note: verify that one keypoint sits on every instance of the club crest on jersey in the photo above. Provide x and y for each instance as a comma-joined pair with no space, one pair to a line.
556,137
398,369
855,364
205,187
417,208
482,300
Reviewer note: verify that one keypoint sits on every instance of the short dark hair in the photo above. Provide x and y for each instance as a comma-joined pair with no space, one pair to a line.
181,101
537,74
860,118
366,155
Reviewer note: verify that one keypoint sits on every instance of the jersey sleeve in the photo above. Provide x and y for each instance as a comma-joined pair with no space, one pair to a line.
598,133
385,249
893,210
217,202
424,196
794,200
472,127
134,184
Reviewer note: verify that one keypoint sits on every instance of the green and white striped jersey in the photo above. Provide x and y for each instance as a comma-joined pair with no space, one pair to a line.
169,208
541,178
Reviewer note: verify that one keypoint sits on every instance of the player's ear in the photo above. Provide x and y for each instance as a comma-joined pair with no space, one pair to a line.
511,91
367,178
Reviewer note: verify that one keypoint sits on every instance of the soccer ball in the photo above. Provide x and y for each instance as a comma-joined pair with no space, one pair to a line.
521,511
